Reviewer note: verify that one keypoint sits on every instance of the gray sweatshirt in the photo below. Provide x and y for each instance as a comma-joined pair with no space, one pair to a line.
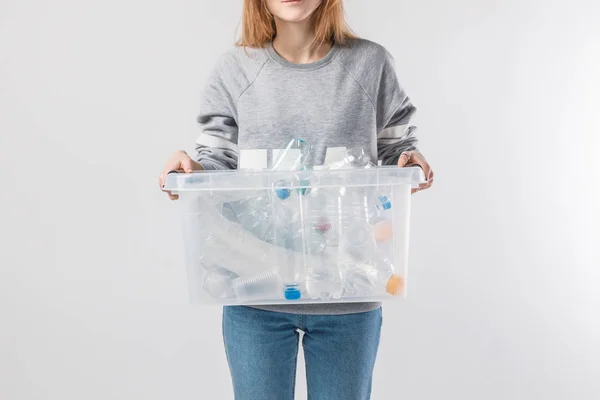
255,102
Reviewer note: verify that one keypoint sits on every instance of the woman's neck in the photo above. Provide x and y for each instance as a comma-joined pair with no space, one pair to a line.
295,42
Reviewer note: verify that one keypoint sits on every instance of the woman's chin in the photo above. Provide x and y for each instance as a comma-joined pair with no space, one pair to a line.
293,18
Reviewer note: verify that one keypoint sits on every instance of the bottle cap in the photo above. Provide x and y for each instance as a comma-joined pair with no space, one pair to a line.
292,293
283,193
385,202
383,231
395,285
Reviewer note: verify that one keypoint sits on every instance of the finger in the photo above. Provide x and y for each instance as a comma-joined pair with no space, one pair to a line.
431,175
423,164
427,182
419,160
173,196
162,180
426,185
404,158
427,173
186,166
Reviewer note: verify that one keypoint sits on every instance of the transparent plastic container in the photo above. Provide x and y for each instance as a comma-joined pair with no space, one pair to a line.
284,237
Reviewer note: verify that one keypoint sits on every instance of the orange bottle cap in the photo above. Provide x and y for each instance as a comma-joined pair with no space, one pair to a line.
395,285
383,231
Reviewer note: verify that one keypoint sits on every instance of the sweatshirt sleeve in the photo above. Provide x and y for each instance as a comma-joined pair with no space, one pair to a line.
216,146
394,112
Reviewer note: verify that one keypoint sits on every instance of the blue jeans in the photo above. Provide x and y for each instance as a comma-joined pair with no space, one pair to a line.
339,351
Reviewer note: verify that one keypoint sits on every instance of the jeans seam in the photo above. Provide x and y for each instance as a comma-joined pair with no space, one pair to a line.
304,327
295,368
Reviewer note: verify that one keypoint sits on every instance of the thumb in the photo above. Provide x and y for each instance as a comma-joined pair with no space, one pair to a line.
404,158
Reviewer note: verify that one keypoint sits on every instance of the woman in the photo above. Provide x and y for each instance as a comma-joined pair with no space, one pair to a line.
298,71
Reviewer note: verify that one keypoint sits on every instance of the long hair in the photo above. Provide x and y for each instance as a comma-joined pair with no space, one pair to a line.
328,23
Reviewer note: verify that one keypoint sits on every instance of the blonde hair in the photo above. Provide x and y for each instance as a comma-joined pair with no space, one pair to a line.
328,22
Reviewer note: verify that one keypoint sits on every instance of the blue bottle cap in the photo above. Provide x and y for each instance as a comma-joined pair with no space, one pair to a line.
282,193
292,293
385,202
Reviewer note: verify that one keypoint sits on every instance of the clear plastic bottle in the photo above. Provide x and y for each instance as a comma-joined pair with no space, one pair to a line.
218,282
287,224
323,274
354,158
354,214
294,157
371,278
287,209
366,267
264,286
237,249
252,215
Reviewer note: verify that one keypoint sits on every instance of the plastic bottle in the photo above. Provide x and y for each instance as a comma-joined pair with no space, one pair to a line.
354,158
239,250
323,274
353,212
220,264
366,268
287,229
371,278
252,215
324,278
294,157
287,214
264,286
218,282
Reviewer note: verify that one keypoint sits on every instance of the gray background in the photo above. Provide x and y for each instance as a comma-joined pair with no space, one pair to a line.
505,265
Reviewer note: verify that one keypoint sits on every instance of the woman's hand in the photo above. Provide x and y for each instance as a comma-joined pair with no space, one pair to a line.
179,161
414,158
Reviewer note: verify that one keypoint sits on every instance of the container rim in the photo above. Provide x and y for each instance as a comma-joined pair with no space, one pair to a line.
227,180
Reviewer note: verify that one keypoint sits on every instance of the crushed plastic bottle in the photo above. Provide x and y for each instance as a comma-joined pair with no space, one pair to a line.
239,250
221,265
372,278
366,231
294,157
355,158
252,213
365,251
218,282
